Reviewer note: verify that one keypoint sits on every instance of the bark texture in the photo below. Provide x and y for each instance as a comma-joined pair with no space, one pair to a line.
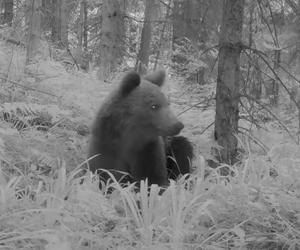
228,81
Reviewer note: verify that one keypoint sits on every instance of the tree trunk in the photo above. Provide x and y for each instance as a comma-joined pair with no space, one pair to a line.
55,18
295,6
144,52
257,80
80,27
188,26
59,23
254,77
7,15
85,36
34,30
64,23
180,22
186,21
274,97
228,81
298,44
161,38
47,16
82,36
112,38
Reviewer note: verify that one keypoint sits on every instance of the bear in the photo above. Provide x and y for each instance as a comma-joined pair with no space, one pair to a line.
179,153
135,133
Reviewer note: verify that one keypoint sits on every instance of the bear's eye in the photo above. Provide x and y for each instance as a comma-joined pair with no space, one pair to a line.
154,106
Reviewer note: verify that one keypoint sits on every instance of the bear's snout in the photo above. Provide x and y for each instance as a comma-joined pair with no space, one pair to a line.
178,126
168,123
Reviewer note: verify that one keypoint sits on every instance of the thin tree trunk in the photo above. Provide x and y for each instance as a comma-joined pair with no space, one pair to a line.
59,23
34,30
161,38
112,38
254,76
47,15
144,52
295,6
82,36
7,16
274,97
187,20
256,88
55,18
85,36
64,23
228,81
180,9
80,26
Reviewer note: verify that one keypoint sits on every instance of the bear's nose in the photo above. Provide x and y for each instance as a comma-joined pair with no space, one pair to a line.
177,127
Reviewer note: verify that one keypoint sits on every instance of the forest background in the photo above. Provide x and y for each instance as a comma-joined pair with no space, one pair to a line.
233,79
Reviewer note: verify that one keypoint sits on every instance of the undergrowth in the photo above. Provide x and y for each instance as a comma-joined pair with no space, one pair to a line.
249,210
47,204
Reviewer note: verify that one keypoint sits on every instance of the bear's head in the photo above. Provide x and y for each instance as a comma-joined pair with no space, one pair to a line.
146,105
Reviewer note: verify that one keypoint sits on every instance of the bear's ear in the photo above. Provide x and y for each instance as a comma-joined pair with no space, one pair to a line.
130,82
156,77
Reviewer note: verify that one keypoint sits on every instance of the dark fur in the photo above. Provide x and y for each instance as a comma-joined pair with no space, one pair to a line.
179,153
129,129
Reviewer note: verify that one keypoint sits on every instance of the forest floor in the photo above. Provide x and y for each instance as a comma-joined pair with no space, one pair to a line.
44,132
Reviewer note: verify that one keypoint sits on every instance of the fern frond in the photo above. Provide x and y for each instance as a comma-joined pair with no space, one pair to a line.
23,115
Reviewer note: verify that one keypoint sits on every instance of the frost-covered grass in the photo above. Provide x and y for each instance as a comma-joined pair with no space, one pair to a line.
46,202
250,210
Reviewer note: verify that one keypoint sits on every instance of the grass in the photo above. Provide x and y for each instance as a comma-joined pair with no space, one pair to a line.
250,210
47,204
